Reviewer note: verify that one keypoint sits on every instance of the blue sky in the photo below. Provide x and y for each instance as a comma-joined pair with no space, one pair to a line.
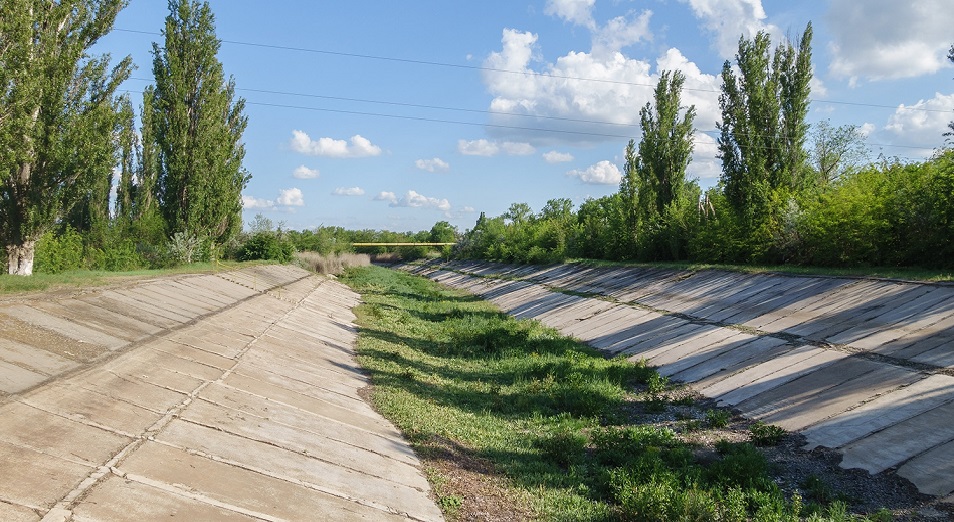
396,115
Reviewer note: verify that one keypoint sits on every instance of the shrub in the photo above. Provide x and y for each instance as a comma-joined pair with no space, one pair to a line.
59,253
766,434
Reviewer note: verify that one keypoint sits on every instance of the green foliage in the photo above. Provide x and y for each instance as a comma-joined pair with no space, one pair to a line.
60,113
450,369
766,434
197,138
57,253
718,418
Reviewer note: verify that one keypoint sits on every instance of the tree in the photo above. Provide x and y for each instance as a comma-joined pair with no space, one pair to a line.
58,114
195,122
763,128
836,151
629,192
665,149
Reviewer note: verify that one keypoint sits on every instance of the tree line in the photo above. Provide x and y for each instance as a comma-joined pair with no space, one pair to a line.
66,131
789,193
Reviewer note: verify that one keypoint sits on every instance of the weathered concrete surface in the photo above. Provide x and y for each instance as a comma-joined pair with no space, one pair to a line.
865,366
231,396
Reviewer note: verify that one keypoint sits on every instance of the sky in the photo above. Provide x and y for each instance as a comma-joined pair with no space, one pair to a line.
396,115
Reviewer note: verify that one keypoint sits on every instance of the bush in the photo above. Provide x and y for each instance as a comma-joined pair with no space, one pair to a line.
59,253
266,245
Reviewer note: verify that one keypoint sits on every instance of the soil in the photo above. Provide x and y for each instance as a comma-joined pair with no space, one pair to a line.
469,489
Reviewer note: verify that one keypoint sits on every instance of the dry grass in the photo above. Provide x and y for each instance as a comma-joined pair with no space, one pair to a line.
333,264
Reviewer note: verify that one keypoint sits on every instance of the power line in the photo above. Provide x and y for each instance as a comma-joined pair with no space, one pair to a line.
490,125
509,71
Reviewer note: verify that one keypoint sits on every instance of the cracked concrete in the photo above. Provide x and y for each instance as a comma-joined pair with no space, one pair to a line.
231,396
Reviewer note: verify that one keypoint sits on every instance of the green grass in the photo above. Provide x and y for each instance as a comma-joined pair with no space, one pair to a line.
546,412
39,282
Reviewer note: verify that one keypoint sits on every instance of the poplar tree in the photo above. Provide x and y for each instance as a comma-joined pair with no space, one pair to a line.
665,149
763,128
58,114
196,123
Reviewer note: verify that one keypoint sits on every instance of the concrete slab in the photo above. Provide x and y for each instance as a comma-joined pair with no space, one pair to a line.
62,326
102,319
239,488
14,378
125,498
771,374
795,413
37,360
735,358
933,471
902,441
882,412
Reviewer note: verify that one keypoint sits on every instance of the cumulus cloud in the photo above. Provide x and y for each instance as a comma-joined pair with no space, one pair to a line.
579,12
413,199
386,196
921,124
477,147
621,86
602,173
303,172
357,147
432,165
518,149
886,39
291,198
728,20
557,157
251,203
484,147
348,191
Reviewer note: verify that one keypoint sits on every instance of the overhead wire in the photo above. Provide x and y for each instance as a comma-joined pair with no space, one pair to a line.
507,71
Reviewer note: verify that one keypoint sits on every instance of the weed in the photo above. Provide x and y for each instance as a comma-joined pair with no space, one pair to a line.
450,504
766,434
656,384
690,425
718,418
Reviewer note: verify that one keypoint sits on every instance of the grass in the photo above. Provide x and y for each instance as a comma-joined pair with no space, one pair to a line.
548,414
39,282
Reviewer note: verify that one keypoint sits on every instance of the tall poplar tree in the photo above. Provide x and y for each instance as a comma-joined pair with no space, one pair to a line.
196,123
665,149
763,128
58,115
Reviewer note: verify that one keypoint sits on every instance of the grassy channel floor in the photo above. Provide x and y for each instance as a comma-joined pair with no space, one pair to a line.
510,410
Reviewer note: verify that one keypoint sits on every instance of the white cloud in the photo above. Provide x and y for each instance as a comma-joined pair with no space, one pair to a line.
919,125
578,12
250,203
887,39
291,198
413,199
348,191
303,172
518,149
557,157
728,20
432,165
622,85
477,147
484,147
359,146
602,173
386,196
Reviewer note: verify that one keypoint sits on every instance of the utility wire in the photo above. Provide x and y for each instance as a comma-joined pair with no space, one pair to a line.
507,71
491,125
